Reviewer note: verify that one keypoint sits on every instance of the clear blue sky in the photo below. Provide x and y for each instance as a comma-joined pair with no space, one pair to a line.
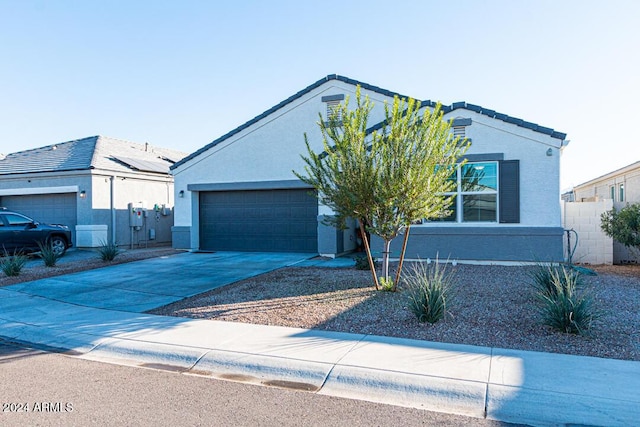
180,74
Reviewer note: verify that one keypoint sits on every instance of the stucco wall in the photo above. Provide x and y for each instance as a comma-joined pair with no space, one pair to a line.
601,187
539,173
270,149
599,190
95,208
127,189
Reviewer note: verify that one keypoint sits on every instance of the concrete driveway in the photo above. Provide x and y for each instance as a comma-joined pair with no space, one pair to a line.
143,285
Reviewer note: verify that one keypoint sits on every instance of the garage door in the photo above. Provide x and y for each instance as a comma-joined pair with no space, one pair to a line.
46,208
259,220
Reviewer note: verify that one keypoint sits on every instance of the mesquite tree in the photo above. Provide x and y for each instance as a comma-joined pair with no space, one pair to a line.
387,178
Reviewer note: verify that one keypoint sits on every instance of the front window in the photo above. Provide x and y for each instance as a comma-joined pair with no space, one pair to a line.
621,193
613,192
475,197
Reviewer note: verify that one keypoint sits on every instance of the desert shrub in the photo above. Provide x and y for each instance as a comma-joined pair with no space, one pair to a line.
12,265
430,289
386,284
566,305
48,254
548,278
362,262
108,251
623,226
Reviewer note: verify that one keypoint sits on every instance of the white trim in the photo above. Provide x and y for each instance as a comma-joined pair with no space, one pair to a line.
39,190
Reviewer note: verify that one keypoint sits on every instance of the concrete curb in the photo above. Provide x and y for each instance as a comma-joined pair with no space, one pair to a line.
504,385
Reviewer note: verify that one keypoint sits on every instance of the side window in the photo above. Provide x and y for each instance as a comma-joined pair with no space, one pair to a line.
621,193
475,195
486,191
612,191
14,219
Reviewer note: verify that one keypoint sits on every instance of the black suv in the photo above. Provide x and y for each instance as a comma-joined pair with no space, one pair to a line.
19,233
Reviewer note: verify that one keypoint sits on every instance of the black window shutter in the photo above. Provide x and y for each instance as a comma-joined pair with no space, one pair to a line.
509,191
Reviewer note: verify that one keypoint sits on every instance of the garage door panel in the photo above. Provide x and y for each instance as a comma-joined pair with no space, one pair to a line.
260,220
46,208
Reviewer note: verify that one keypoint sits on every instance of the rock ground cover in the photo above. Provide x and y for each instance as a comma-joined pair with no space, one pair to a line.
493,305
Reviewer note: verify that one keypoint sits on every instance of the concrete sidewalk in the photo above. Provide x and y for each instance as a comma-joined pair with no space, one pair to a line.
514,386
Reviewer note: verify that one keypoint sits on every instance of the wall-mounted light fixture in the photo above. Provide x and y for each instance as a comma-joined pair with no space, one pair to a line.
549,152
181,193
83,194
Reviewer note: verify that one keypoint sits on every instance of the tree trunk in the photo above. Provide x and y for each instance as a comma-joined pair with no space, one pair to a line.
402,252
372,266
385,260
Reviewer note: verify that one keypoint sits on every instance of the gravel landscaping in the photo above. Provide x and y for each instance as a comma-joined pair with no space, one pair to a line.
81,260
494,306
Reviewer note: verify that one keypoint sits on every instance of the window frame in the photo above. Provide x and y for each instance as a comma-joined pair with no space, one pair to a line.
621,194
459,195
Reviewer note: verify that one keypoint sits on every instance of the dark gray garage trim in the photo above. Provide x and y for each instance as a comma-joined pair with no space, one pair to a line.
253,185
265,220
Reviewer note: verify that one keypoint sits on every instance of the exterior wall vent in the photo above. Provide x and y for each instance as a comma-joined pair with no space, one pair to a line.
333,104
459,126
459,131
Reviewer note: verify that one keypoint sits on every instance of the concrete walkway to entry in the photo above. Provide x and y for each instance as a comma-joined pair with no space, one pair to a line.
98,315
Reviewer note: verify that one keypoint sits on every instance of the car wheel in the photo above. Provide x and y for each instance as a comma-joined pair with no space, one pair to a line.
58,245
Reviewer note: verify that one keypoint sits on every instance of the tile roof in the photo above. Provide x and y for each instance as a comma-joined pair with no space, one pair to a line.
95,152
446,109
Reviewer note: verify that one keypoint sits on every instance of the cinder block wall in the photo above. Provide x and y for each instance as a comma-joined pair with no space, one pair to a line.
594,247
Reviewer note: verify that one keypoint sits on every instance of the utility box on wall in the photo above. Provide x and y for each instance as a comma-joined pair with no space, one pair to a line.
136,216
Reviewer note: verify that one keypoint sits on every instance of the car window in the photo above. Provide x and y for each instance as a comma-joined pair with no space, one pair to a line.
15,219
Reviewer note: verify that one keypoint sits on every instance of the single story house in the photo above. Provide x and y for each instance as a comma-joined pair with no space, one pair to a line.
239,193
618,188
98,186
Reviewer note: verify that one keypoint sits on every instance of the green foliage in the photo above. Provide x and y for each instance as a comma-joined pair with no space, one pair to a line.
389,178
48,254
564,304
623,225
387,285
11,265
547,277
362,262
430,289
108,251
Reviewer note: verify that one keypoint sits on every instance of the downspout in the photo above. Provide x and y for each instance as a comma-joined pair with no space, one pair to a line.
112,192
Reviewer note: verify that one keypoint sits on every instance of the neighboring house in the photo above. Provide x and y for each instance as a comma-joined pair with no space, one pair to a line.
239,192
88,185
617,189
622,186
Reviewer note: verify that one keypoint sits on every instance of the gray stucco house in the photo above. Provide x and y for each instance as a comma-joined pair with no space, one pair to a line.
88,185
239,192
616,189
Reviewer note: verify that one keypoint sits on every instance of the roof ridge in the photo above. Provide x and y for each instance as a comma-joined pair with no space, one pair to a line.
445,109
50,146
